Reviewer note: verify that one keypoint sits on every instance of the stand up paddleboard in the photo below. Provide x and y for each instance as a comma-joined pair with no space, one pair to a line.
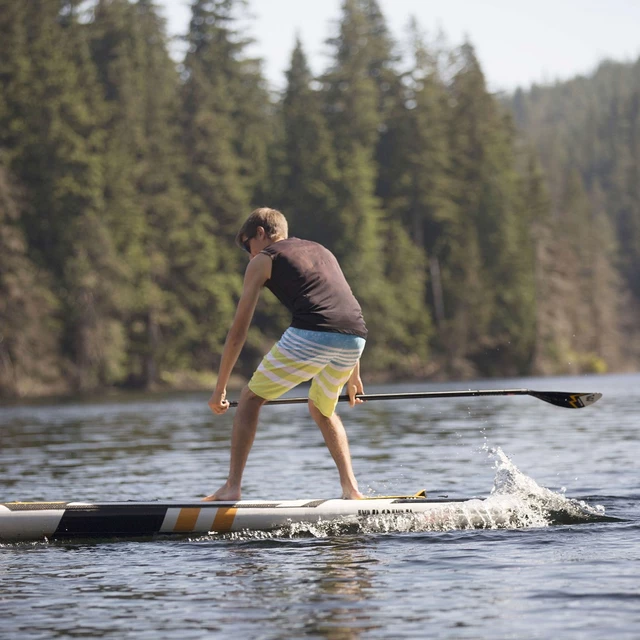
32,521
79,520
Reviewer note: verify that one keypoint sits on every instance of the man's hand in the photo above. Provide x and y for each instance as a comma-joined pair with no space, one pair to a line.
355,387
218,402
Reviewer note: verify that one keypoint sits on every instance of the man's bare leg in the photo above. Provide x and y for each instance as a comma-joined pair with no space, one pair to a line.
245,424
336,440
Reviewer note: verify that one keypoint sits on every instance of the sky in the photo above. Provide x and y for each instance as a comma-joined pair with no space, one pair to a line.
518,42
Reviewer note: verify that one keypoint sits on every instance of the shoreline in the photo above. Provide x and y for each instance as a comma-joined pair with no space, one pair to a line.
157,391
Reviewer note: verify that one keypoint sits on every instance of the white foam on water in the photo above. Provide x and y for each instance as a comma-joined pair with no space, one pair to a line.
538,502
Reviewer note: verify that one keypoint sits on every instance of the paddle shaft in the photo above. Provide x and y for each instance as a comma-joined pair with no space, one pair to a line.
558,398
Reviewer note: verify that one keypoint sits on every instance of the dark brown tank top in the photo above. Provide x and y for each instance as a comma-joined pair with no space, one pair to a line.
307,279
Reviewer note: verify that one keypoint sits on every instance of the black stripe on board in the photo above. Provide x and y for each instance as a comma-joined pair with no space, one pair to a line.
111,521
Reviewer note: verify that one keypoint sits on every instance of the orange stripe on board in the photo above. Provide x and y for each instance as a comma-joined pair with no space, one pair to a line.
224,519
187,519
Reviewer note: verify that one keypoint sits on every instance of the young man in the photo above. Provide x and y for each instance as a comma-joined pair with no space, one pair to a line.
323,344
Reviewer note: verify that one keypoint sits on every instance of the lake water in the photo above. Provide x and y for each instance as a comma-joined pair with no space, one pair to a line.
392,580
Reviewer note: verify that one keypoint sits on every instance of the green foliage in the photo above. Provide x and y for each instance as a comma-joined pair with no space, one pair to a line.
124,179
58,159
29,360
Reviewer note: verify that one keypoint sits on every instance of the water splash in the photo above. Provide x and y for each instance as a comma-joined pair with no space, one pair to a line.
543,506
516,501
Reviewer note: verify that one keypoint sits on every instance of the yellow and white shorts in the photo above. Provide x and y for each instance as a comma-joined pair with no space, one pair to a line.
327,359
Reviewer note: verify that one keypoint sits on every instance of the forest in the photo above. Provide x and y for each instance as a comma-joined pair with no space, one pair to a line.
484,235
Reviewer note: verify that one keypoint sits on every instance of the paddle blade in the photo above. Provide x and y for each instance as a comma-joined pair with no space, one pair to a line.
568,400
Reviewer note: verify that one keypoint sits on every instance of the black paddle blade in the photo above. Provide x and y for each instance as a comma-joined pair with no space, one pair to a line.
568,400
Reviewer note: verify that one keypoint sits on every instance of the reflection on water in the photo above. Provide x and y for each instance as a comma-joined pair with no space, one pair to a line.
319,588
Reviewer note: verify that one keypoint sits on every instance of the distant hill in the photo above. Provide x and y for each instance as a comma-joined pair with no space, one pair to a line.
592,125
586,134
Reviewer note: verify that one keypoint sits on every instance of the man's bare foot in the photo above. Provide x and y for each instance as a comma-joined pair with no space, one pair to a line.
224,494
352,495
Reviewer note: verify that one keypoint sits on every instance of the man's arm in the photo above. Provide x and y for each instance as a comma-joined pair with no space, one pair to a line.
257,273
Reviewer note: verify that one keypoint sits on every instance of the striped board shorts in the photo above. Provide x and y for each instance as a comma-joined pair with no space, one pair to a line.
300,355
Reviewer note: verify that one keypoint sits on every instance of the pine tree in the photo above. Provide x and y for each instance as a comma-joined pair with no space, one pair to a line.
219,71
401,318
351,99
15,69
29,357
358,92
57,159
413,155
538,213
310,175
210,134
604,291
147,205
491,228
218,174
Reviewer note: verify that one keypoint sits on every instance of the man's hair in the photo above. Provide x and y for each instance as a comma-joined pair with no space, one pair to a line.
271,220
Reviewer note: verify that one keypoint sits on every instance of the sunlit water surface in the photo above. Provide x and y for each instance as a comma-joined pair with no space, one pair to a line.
388,579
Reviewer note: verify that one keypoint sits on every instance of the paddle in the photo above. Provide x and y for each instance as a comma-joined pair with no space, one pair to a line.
558,398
